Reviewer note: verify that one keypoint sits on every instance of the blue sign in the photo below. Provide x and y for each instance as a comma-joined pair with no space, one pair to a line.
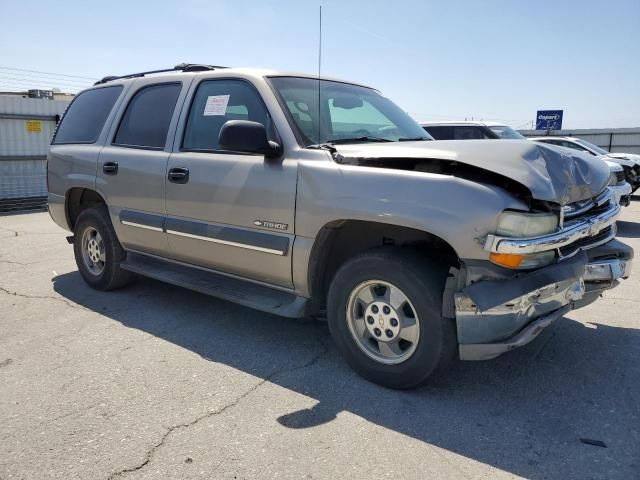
549,120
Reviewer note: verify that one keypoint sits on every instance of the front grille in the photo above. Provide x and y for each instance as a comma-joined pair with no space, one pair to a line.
583,211
589,242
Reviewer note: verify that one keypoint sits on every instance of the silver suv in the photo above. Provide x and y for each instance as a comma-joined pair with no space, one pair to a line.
299,196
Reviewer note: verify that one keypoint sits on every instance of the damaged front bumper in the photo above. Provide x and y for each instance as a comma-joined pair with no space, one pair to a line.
622,193
495,316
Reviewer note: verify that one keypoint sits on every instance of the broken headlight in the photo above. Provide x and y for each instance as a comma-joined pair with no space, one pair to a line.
525,225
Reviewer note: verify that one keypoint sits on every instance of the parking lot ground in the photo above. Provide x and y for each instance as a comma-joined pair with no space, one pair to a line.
159,382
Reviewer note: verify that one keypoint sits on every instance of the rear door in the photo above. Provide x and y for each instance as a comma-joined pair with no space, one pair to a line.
229,211
132,166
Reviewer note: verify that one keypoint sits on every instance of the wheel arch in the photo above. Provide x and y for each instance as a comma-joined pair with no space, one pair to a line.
78,199
339,240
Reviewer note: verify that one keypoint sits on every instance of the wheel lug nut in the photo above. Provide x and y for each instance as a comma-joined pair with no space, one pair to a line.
374,309
377,332
386,310
388,333
394,322
370,320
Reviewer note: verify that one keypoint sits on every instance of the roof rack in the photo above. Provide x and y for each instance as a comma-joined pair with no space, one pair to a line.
182,67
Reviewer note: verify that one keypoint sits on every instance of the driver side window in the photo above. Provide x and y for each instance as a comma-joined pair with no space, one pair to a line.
216,102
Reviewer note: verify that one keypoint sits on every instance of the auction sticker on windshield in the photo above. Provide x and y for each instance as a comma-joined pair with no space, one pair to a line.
216,105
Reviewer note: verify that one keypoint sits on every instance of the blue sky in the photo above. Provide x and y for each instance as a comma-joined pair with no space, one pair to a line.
493,60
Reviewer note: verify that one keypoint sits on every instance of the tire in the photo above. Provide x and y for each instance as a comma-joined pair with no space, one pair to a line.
422,282
101,270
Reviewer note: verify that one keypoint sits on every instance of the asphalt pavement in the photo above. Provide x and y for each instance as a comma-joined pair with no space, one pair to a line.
154,381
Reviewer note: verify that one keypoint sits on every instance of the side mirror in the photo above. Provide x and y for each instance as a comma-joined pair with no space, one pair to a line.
250,137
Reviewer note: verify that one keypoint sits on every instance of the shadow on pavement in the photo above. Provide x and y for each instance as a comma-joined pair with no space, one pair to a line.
628,229
523,413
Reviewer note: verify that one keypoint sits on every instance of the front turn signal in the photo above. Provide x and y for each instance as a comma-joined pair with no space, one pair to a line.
509,260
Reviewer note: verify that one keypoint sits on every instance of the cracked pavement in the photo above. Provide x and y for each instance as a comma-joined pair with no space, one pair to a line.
154,382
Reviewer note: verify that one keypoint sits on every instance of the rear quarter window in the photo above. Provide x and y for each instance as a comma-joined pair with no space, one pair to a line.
84,119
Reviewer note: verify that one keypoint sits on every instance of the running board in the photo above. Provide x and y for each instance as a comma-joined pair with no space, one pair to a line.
227,288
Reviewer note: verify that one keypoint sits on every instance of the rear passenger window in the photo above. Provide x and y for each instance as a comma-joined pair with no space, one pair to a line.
146,121
468,133
85,117
440,133
216,102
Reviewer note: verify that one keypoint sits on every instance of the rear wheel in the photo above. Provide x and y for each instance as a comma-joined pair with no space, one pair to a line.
385,315
97,250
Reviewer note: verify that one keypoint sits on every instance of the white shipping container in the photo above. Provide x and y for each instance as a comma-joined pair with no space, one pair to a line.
23,137
26,128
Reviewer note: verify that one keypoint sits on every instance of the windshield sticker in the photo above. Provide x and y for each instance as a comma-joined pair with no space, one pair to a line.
216,105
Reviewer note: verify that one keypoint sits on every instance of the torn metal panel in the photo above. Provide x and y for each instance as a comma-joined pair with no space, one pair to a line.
487,351
498,324
499,310
491,293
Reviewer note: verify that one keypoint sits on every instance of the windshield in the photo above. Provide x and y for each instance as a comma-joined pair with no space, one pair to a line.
506,132
591,146
345,113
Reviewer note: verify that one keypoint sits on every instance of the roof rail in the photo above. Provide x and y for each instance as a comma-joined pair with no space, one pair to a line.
182,67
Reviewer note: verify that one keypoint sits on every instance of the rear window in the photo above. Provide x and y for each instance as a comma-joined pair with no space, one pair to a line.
85,117
146,121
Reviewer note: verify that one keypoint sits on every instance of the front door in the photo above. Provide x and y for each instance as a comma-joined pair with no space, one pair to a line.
132,167
228,211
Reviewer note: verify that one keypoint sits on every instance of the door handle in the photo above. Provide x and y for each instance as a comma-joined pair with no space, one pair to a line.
179,175
110,168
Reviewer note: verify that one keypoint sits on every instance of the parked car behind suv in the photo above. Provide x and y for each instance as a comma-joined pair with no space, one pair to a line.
618,183
302,197
470,130
630,162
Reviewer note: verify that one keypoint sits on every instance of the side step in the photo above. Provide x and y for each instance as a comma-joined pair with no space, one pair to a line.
238,291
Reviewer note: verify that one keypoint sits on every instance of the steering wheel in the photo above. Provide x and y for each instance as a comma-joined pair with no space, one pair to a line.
362,133
389,130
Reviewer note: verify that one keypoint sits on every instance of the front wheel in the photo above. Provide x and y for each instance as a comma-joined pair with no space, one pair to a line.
385,316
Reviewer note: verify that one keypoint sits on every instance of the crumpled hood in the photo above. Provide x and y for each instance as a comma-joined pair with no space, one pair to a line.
550,174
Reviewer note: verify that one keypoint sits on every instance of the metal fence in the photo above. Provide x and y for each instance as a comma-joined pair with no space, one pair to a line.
26,128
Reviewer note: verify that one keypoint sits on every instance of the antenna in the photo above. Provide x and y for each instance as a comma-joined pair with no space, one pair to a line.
319,68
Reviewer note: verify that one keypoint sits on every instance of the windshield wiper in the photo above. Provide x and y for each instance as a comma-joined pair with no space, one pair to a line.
365,138
415,139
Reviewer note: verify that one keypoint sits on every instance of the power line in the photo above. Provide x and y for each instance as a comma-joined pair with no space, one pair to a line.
48,73
41,82
39,75
22,88
42,86
27,78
